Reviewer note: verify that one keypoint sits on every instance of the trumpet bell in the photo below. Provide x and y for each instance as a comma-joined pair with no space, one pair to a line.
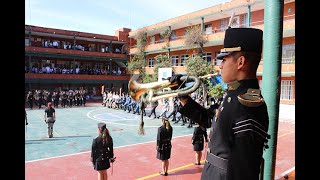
137,89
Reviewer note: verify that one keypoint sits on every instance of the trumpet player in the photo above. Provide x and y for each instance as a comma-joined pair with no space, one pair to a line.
239,131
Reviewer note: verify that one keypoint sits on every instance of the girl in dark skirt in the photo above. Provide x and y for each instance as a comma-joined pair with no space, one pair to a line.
102,152
164,146
199,134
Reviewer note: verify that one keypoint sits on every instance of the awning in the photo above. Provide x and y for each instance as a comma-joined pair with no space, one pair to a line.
121,64
218,80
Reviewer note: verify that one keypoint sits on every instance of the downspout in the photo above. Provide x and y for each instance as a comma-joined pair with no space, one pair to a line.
273,31
249,16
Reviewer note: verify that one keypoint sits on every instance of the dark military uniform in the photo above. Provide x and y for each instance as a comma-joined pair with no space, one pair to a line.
238,135
199,135
101,153
240,126
164,146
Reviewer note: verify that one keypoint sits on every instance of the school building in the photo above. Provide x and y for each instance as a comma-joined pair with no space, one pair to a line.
57,59
213,22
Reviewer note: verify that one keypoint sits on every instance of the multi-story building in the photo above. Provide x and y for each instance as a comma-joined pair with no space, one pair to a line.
57,59
214,21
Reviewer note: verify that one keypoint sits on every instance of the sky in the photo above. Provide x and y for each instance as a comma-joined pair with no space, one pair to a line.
107,16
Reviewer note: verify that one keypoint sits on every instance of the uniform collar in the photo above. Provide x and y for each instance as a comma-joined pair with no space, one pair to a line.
247,83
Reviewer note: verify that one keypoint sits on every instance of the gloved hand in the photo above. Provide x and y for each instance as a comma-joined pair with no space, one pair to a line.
175,79
111,160
27,123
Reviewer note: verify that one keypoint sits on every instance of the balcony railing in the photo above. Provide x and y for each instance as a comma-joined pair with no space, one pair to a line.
73,52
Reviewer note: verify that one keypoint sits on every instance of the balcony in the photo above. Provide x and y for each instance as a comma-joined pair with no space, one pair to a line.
70,52
73,78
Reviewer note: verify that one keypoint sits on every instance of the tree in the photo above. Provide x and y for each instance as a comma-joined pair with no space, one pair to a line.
141,41
196,66
162,61
166,37
216,91
194,39
137,63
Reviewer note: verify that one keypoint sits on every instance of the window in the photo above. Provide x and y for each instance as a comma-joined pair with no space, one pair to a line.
208,28
183,58
152,39
26,42
244,19
288,54
161,39
150,62
173,35
185,32
216,62
286,90
224,24
207,57
174,60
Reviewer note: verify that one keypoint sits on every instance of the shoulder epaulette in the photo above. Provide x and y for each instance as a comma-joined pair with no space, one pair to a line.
251,98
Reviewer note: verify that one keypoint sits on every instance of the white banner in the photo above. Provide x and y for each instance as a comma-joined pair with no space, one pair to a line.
164,73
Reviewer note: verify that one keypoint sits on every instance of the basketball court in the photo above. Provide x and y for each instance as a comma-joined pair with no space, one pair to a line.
67,154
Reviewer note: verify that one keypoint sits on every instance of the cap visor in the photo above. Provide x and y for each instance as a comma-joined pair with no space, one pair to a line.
222,55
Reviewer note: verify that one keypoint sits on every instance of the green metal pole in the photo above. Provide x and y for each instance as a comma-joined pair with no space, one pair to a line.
249,15
273,31
202,24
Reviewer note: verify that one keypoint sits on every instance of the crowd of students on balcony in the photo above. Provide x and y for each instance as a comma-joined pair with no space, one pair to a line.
67,45
48,69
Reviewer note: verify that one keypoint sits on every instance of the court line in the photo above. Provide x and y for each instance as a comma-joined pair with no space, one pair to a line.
109,114
113,148
133,125
285,134
285,173
171,170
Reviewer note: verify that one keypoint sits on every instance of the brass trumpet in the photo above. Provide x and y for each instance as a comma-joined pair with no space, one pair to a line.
147,92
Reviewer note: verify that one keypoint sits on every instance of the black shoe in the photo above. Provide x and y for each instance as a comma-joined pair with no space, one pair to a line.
182,124
163,174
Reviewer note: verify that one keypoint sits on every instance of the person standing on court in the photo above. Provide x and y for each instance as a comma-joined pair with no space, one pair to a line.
154,105
50,118
164,146
239,129
102,152
25,112
198,138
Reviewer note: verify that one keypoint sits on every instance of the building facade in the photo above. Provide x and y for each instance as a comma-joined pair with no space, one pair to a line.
57,59
213,22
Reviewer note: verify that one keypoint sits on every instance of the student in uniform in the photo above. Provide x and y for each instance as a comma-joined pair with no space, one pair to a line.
164,146
50,118
102,152
199,135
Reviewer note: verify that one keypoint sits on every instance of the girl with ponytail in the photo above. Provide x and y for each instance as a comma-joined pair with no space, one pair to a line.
164,146
102,152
